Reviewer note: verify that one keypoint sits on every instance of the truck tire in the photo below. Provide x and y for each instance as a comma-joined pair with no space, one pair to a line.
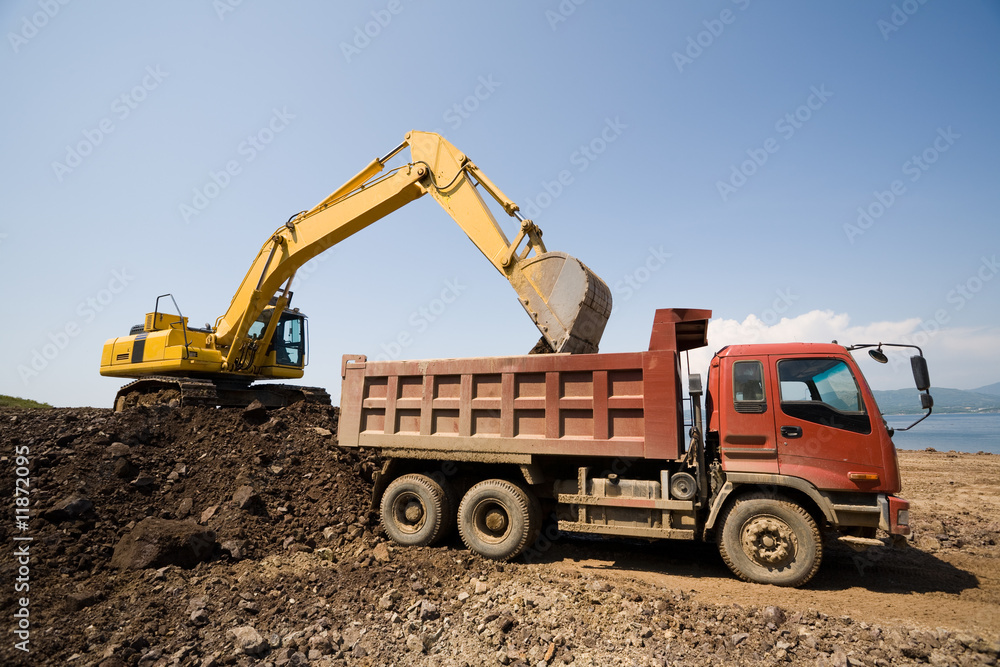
768,540
413,511
498,519
448,515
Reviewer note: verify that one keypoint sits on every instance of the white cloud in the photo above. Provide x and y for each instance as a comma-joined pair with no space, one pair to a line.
963,358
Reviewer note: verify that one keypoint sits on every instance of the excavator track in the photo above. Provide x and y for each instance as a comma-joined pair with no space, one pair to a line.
160,390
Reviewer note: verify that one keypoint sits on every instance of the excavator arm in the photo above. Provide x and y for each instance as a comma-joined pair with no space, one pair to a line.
258,337
568,302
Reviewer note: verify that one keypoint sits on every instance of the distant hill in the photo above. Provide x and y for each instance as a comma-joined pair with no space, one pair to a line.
14,402
907,401
991,389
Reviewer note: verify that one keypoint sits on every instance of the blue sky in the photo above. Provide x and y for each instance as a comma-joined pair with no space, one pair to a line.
808,171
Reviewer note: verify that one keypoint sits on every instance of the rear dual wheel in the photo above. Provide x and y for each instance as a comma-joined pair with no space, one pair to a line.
416,511
498,519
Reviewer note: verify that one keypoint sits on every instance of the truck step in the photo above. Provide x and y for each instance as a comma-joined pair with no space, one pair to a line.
855,541
625,501
626,530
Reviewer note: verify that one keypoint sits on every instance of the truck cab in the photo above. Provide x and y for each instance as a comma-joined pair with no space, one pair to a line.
803,410
802,417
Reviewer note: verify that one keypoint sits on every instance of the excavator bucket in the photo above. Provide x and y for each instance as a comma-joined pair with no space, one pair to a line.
568,302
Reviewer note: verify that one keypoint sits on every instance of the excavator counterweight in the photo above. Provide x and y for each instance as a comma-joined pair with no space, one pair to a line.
260,337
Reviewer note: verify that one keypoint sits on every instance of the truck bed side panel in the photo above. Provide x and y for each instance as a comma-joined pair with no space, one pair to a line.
568,405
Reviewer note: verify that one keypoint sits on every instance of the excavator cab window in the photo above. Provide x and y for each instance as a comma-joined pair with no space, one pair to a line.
256,330
290,341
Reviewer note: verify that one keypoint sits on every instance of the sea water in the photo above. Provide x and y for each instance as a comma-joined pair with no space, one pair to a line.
945,432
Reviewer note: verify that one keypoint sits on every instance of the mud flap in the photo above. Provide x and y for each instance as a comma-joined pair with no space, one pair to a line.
380,480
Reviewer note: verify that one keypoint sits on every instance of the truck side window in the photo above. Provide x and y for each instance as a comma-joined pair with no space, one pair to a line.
823,391
748,387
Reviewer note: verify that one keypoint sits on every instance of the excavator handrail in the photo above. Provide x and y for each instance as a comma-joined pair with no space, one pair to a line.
156,310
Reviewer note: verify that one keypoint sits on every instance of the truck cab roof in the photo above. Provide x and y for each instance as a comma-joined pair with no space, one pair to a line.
780,348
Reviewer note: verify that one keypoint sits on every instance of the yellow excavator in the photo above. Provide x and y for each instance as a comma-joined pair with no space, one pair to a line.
260,337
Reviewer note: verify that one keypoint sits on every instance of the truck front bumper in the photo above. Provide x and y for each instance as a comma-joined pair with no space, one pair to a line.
895,515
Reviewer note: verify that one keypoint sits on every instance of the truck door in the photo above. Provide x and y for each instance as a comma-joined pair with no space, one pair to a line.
747,441
821,423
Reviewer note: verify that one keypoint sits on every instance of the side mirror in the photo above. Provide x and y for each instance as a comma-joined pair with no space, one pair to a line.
920,374
879,356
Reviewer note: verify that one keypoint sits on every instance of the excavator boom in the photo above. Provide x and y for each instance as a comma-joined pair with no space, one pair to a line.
568,303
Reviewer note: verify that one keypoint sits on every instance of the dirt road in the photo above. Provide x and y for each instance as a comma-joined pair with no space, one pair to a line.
189,536
950,578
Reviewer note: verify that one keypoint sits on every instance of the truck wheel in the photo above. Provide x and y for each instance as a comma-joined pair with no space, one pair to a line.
448,506
497,519
448,514
413,510
768,540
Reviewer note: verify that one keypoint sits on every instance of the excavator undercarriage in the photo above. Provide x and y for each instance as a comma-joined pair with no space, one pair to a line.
194,391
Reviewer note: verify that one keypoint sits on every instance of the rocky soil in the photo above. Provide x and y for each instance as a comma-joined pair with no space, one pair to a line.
191,536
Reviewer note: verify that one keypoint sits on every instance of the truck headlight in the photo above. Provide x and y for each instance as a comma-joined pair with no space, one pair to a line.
903,517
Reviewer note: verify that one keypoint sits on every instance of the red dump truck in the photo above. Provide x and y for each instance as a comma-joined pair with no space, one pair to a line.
793,443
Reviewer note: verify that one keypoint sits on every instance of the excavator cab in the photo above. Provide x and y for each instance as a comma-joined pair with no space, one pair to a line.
288,343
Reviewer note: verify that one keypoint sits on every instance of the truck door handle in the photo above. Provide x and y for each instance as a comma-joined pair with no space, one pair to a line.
791,432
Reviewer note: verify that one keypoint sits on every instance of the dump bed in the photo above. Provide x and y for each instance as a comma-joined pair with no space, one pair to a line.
511,409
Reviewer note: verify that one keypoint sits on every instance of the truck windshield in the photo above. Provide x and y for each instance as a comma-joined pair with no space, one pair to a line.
822,391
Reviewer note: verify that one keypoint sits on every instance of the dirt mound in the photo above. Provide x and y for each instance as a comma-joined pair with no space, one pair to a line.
244,537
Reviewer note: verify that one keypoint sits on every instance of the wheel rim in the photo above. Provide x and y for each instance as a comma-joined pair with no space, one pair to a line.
769,541
492,520
408,513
